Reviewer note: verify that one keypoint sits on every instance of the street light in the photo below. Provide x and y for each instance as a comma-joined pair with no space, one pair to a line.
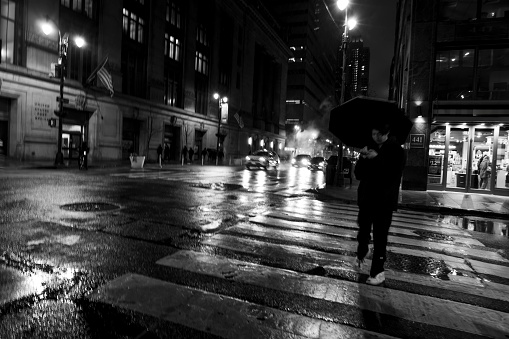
349,24
220,101
63,44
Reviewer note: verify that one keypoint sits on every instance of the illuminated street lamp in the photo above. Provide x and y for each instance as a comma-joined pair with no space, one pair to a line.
63,44
221,101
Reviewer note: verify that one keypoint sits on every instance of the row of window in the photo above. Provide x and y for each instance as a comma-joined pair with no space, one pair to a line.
481,74
461,10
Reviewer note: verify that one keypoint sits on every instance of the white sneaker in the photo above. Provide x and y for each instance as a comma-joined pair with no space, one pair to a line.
377,280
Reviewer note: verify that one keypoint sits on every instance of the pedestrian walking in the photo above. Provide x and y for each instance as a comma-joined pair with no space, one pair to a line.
379,170
83,156
160,155
166,152
184,153
191,154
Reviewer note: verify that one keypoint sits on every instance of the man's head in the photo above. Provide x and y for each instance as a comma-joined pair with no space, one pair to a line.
380,133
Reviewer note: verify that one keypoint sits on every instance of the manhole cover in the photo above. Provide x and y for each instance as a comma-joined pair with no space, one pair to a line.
218,186
434,236
89,207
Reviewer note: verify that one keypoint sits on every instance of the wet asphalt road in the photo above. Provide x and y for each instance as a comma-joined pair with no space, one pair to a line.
224,252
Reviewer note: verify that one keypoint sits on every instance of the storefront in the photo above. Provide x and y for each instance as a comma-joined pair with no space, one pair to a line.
469,158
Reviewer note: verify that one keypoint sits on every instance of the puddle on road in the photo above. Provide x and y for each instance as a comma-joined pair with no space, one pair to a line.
478,224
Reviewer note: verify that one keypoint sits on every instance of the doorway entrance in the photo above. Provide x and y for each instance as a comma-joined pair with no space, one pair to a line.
468,158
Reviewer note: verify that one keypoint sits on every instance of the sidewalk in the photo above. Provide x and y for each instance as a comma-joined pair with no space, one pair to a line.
443,202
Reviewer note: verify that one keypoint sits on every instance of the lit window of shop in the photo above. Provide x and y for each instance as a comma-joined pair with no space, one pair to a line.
502,161
436,156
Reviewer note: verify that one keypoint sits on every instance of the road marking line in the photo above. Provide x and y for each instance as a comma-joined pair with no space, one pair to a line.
409,306
217,314
337,261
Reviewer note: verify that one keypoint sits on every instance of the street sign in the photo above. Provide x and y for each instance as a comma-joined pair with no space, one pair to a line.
417,140
64,100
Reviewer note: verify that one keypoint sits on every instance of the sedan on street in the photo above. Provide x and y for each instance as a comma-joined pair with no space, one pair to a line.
301,160
262,159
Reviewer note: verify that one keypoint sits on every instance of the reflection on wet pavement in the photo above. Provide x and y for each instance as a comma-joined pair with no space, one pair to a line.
489,226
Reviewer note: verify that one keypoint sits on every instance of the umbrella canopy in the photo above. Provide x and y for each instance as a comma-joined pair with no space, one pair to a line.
353,121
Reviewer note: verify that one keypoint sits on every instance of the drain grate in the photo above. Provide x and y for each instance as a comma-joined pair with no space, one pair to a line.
89,207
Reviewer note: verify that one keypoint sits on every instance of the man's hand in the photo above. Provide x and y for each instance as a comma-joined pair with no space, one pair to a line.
368,153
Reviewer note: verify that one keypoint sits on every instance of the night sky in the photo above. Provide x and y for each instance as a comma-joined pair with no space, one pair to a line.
376,24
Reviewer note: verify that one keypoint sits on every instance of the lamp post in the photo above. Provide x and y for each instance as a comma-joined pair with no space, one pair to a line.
63,45
349,24
220,101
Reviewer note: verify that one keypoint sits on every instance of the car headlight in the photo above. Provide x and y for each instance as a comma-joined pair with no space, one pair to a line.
248,158
293,161
262,159
305,162
322,163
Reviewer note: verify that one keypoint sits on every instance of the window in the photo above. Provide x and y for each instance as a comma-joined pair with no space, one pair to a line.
172,89
493,74
200,90
458,9
172,47
201,63
80,6
8,30
79,63
173,13
133,26
201,35
491,9
454,75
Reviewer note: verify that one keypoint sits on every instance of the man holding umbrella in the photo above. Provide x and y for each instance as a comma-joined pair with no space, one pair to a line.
379,170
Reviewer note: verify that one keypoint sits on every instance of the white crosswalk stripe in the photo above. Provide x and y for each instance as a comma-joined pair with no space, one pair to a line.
271,254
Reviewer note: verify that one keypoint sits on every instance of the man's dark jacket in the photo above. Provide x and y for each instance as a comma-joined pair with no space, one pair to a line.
380,177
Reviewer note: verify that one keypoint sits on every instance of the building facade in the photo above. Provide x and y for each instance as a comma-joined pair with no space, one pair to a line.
357,68
310,31
451,75
166,59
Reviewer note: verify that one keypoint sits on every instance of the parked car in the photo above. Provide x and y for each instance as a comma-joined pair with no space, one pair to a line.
262,159
317,164
301,160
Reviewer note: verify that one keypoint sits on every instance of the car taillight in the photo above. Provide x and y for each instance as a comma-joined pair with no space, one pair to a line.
262,159
248,158
293,161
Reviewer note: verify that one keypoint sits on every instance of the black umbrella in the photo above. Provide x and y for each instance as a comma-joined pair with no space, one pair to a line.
353,121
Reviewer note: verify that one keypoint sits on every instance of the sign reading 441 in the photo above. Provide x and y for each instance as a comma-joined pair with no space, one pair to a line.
417,140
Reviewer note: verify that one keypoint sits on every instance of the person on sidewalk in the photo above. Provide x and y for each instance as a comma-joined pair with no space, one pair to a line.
191,154
160,155
484,172
379,170
184,154
166,152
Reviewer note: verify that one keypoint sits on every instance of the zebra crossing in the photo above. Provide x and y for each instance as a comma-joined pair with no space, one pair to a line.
440,283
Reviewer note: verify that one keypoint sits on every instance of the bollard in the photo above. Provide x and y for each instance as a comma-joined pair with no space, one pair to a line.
182,161
202,158
230,160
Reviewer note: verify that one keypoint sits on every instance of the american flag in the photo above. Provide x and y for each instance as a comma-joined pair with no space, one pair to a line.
239,120
104,76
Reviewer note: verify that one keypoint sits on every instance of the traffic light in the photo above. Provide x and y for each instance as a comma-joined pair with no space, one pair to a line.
52,122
